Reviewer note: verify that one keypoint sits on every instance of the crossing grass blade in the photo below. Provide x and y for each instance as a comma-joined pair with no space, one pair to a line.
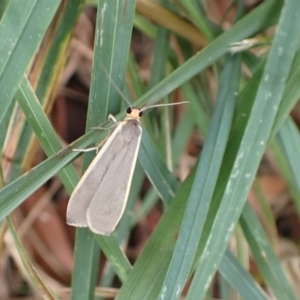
16,53
239,279
252,141
267,261
204,185
111,51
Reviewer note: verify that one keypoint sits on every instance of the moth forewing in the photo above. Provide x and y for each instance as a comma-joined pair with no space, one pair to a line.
109,201
87,186
100,197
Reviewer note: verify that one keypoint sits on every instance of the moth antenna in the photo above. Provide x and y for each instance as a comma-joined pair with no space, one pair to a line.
159,105
115,86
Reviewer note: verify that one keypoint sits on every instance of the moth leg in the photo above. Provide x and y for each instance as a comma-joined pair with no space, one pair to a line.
86,150
98,127
111,117
97,148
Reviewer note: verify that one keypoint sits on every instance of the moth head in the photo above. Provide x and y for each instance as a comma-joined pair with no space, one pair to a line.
134,113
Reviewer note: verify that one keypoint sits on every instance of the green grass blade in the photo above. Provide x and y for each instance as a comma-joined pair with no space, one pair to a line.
146,278
111,49
260,18
35,277
239,279
51,65
3,5
250,147
15,51
267,262
289,143
57,39
158,173
121,266
45,133
17,191
144,25
149,201
86,261
115,255
203,188
160,55
114,26
291,95
180,139
5,123
195,10
201,117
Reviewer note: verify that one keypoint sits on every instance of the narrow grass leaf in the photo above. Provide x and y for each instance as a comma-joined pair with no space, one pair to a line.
204,184
197,109
13,194
157,172
117,258
122,234
5,123
289,142
111,50
35,277
144,25
266,260
16,52
196,11
47,68
86,263
291,95
240,279
145,280
250,147
57,40
258,19
45,133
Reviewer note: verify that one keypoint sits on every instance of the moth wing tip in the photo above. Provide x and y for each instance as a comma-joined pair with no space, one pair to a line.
72,222
100,231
